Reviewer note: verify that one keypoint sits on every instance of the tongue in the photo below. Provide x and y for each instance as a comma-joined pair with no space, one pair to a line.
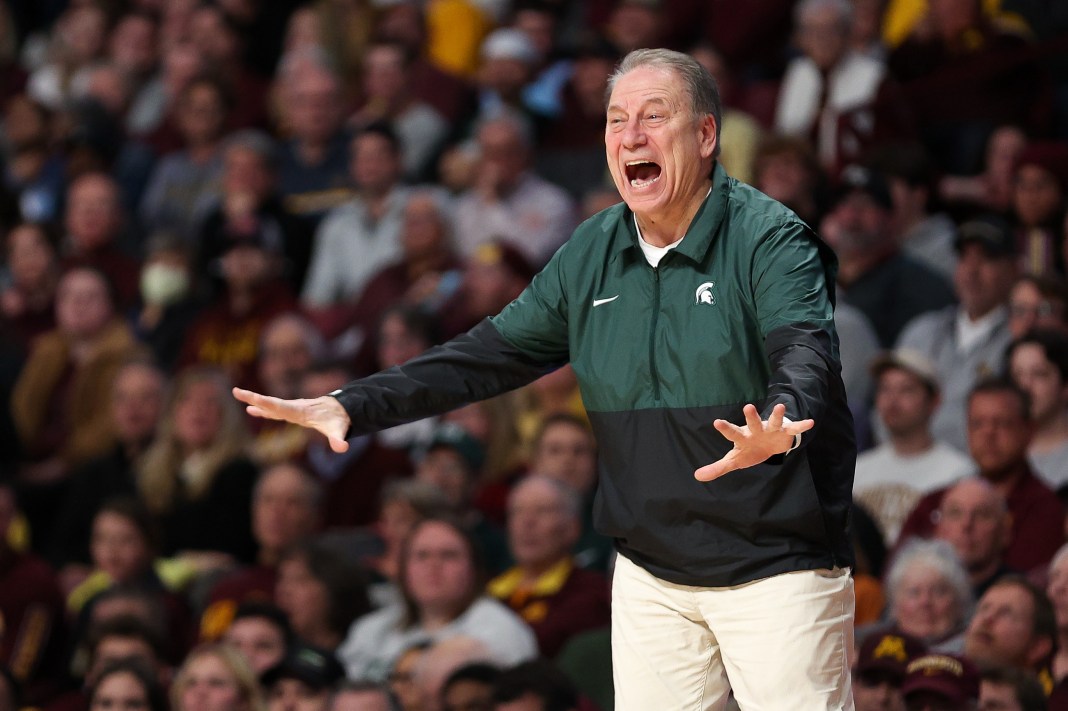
646,172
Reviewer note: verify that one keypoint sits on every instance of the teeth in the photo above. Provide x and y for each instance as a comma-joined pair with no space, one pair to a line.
642,183
639,162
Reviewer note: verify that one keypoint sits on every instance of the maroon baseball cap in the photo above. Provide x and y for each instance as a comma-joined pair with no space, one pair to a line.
954,678
889,652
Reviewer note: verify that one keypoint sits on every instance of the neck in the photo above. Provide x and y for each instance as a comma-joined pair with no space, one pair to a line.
323,638
433,619
662,229
980,574
533,571
852,267
912,443
377,202
1005,480
201,152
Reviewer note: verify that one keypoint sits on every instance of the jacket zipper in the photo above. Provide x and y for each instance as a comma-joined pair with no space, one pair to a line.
652,335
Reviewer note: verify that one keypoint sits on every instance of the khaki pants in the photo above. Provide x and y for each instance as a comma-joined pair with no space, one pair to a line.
780,643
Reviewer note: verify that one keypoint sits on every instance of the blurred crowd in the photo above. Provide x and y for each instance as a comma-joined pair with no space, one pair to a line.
286,194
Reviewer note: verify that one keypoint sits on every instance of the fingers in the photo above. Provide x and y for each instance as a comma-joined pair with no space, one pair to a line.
796,428
715,470
752,418
729,430
246,396
338,445
775,419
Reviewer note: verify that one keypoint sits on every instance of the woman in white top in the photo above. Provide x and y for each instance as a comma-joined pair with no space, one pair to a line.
442,585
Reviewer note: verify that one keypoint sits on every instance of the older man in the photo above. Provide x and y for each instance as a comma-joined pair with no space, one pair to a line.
974,518
557,599
695,295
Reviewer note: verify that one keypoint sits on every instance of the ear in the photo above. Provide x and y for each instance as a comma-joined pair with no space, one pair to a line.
708,135
1040,649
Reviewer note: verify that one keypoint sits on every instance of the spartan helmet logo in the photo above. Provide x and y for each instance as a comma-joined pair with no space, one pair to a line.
704,294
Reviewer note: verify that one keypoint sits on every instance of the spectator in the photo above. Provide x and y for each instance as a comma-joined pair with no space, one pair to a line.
322,593
999,430
402,677
1010,689
1038,364
184,182
785,168
1057,590
302,680
127,684
361,236
36,175
1038,302
67,375
879,671
78,40
925,236
829,87
27,301
975,520
425,275
313,175
261,632
929,595
249,204
494,275
969,340
286,502
1038,206
891,478
216,678
32,608
509,201
388,98
557,599
1014,626
195,476
94,222
888,286
134,50
440,582
170,300
941,681
508,59
227,334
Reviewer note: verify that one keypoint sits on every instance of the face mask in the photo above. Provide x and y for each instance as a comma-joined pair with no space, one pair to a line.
163,284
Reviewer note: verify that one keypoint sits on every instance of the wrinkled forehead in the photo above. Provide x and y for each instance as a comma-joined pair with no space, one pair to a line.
647,84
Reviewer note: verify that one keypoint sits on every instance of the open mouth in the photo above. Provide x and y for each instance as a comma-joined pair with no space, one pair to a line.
642,173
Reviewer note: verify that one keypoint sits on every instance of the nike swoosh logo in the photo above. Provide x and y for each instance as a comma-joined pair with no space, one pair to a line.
598,302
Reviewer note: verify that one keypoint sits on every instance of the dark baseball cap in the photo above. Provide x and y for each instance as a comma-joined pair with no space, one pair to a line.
954,678
317,668
859,179
454,437
991,232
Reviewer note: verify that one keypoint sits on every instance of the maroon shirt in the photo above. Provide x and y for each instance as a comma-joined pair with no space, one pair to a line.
31,615
1037,522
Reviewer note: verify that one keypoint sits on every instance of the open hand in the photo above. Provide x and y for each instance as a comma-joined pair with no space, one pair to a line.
754,442
322,414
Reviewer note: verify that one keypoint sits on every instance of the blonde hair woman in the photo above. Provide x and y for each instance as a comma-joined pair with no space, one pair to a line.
215,677
196,477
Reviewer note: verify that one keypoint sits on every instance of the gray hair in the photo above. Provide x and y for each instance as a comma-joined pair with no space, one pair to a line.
939,556
702,88
313,339
844,8
569,499
257,142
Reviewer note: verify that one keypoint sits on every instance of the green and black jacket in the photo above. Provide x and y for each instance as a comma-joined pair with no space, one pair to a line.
741,311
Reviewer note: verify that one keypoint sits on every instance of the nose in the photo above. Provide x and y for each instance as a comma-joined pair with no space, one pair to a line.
633,133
